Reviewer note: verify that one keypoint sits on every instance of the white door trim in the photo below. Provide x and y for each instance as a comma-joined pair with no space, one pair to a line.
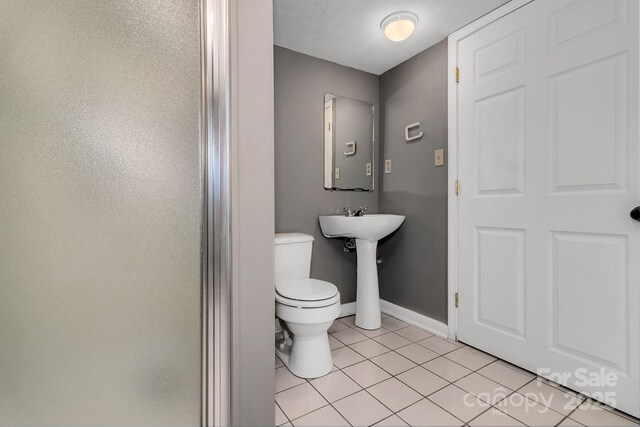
452,147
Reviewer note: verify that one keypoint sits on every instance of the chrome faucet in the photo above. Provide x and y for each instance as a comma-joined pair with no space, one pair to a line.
358,212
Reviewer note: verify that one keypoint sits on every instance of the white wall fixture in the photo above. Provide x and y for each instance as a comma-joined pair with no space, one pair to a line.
350,148
409,128
399,25
387,166
438,157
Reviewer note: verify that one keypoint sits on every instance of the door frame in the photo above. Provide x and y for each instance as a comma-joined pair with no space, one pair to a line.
452,148
216,267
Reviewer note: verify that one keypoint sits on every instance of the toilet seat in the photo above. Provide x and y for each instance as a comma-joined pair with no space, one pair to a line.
307,304
307,293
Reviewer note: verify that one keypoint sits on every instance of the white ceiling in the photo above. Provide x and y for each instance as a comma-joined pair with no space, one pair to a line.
348,31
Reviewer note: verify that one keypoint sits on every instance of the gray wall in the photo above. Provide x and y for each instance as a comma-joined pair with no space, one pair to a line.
253,209
414,272
300,84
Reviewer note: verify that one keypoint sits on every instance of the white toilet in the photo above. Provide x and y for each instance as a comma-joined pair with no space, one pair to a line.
307,306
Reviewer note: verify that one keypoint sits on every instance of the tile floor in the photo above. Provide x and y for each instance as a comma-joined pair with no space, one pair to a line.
401,375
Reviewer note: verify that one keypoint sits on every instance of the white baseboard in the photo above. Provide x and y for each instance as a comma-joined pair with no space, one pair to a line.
400,313
347,309
413,318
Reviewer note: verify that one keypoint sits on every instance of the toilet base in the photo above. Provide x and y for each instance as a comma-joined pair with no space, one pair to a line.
307,357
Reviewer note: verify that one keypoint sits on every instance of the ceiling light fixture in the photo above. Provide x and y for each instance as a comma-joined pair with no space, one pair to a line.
399,25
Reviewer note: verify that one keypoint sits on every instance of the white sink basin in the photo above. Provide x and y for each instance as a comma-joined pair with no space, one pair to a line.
368,227
367,230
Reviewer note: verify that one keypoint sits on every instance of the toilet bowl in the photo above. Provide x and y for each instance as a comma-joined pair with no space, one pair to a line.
307,307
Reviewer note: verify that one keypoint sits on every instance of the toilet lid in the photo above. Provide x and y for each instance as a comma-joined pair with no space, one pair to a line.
307,290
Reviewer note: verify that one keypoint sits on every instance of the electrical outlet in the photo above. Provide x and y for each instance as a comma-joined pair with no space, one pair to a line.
368,169
337,173
438,157
387,166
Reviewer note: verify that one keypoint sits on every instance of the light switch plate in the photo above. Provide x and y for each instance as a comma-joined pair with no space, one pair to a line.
337,173
438,157
387,166
368,169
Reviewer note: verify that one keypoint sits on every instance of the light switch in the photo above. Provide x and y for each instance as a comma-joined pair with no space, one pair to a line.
337,173
438,157
368,169
387,166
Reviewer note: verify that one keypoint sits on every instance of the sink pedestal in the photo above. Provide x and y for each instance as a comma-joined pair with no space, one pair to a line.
367,230
367,293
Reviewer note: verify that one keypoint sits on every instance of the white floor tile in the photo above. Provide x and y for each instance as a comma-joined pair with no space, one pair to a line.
366,373
349,336
394,394
393,363
439,345
483,388
326,416
336,326
369,348
529,412
422,381
552,397
372,332
335,386
281,418
416,353
468,358
456,401
447,369
278,362
568,422
393,324
494,418
594,415
350,321
334,342
392,421
285,379
361,409
300,400
427,413
414,333
505,375
344,356
392,340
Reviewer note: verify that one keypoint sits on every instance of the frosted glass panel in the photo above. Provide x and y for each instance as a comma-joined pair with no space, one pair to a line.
100,213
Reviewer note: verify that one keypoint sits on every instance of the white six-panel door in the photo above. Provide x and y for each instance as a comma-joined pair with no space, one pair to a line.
548,162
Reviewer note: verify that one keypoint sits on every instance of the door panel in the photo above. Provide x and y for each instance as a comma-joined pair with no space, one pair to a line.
549,160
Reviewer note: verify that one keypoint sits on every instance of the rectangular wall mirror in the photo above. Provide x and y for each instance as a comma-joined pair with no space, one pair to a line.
348,144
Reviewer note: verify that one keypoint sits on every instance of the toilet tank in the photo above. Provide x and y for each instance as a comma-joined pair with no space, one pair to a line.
292,256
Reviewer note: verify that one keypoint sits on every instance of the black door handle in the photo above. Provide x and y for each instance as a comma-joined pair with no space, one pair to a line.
635,213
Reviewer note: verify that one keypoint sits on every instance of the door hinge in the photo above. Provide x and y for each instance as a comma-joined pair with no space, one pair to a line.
457,187
457,299
457,74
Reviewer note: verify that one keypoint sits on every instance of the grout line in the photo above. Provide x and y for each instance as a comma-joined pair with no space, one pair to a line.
331,403
285,414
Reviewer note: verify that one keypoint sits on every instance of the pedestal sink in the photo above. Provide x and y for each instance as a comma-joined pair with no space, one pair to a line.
367,230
